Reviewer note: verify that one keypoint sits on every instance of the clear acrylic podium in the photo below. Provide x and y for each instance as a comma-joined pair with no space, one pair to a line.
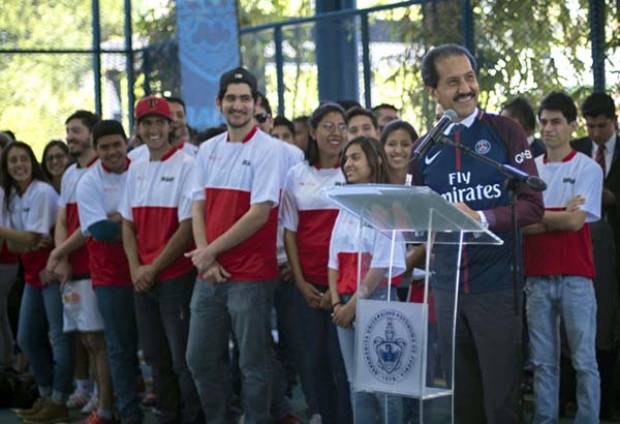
405,349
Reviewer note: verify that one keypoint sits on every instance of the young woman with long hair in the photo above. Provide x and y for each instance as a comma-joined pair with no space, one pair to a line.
32,203
308,219
363,161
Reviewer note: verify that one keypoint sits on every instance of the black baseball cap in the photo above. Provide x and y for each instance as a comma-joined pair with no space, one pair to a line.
236,76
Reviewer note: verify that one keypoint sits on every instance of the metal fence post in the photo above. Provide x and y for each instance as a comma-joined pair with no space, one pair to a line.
97,56
366,60
597,40
129,59
277,39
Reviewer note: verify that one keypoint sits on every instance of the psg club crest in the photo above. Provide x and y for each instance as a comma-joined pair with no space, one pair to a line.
482,147
390,346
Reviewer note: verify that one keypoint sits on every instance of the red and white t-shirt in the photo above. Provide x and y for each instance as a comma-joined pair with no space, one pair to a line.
68,186
306,211
34,211
566,252
142,151
6,256
231,176
345,245
292,156
99,194
155,200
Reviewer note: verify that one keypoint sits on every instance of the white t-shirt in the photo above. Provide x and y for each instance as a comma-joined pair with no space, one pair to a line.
98,195
142,151
34,211
307,212
155,200
375,247
231,176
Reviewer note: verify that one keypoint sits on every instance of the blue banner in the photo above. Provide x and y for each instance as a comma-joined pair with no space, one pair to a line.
208,34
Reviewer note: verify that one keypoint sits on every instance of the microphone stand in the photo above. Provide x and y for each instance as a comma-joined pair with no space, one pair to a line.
514,177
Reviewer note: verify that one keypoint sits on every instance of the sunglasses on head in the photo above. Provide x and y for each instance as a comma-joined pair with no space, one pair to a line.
261,117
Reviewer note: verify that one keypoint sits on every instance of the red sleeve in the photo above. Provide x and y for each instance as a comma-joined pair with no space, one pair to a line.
530,207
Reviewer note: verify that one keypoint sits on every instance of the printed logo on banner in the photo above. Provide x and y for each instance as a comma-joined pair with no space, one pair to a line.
390,346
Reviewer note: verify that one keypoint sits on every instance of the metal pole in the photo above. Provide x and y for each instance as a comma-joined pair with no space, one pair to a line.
97,56
597,39
366,60
146,69
277,39
467,25
129,61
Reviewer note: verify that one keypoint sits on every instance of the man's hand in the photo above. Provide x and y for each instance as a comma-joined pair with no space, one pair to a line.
286,274
326,301
202,258
215,273
53,260
574,203
343,314
469,211
312,295
144,278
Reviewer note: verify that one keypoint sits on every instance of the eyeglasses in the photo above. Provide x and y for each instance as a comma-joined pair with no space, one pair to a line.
261,117
330,127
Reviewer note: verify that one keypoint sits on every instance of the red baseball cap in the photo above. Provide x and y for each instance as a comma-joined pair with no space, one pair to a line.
152,105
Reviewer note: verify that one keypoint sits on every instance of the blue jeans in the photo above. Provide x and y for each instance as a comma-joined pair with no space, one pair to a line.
571,299
243,307
162,316
40,325
116,306
369,408
323,362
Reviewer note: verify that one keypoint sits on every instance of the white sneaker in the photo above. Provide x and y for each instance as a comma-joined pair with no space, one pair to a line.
91,405
78,399
315,419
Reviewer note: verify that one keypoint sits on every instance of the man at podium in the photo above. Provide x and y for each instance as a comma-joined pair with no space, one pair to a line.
488,332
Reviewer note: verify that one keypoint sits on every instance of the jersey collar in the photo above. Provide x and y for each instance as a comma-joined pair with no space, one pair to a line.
566,158
247,137
171,151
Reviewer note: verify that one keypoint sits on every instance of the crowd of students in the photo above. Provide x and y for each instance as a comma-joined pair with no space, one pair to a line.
181,251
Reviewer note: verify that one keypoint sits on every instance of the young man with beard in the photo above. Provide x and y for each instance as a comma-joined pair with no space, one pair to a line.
98,195
236,193
488,327
156,232
69,262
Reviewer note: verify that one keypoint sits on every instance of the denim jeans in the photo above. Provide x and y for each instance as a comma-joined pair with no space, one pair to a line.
244,308
116,305
369,408
40,325
162,315
324,363
571,299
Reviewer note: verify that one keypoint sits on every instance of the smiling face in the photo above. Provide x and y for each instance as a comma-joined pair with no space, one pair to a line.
398,147
237,105
457,86
154,130
330,134
78,137
19,166
179,122
355,165
55,161
112,151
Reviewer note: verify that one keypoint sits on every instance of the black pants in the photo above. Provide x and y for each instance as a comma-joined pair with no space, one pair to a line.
487,354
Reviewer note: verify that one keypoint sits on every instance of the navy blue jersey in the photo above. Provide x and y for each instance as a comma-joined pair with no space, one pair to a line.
461,178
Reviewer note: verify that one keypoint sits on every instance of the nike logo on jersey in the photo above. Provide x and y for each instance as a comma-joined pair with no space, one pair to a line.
429,160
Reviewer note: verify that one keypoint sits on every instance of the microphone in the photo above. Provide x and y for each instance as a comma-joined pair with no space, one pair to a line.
532,181
448,117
